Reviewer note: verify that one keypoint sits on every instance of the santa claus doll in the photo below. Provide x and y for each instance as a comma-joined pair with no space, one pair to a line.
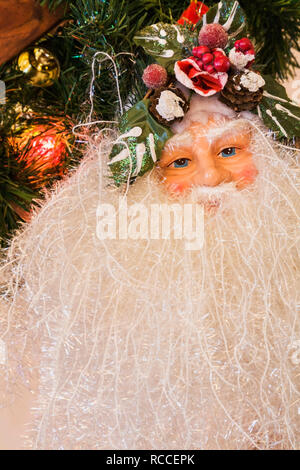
120,333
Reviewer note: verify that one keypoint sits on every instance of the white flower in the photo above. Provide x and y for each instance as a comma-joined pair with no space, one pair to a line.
169,105
252,81
240,60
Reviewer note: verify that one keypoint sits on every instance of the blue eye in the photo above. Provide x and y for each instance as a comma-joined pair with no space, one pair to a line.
181,163
229,152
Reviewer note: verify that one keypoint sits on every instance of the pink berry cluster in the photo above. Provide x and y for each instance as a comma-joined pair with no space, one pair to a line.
245,46
211,60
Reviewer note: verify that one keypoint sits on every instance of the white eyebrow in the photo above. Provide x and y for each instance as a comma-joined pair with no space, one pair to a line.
180,140
215,133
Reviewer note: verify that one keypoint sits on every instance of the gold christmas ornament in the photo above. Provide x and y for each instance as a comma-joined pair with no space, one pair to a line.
40,66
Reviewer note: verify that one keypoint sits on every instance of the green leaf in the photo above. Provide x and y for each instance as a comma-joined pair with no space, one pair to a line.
278,112
166,42
231,16
134,156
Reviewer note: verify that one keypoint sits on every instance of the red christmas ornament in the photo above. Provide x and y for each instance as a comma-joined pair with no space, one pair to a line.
193,13
155,76
213,35
43,148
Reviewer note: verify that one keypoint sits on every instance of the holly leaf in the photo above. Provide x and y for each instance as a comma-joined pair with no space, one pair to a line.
140,144
231,16
166,42
278,112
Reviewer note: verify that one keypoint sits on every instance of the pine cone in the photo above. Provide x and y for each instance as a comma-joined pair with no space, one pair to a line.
154,101
237,97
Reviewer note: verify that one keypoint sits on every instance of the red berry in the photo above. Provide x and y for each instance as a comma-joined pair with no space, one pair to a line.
207,58
199,51
218,54
213,35
155,76
200,64
209,68
244,44
222,64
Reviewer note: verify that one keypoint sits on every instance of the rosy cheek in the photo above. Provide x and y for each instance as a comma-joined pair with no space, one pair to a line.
176,187
247,176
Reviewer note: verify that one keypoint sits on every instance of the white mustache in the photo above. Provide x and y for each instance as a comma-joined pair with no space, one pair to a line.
212,193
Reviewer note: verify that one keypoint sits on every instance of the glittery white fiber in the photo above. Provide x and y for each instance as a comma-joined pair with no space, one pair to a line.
2,352
144,345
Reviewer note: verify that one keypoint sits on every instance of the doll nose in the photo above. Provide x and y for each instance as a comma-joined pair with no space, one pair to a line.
210,174
213,176
210,171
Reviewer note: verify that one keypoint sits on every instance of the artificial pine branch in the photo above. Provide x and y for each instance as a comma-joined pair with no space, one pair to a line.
54,4
16,193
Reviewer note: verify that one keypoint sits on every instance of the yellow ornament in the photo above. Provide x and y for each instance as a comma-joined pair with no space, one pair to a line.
40,66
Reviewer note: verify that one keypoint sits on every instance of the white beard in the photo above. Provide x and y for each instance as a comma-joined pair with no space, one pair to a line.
141,344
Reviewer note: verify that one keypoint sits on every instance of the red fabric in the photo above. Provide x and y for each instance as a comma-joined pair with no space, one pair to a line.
202,80
193,13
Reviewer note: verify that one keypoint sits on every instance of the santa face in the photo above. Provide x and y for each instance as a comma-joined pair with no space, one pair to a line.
208,155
